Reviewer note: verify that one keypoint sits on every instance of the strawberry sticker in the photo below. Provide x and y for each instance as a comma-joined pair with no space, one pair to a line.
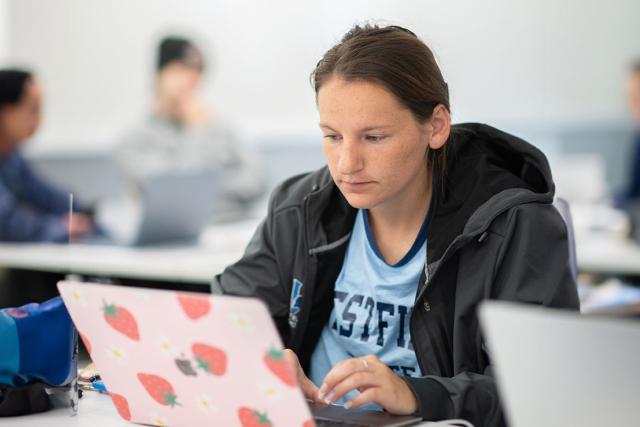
194,306
120,319
275,361
121,405
211,359
86,342
159,389
252,418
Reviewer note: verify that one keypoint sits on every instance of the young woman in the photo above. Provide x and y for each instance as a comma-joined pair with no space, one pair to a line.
30,208
373,266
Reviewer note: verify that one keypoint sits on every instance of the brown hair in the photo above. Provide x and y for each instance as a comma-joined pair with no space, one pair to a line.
395,58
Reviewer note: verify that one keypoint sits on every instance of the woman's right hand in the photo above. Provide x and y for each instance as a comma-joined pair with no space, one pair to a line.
309,389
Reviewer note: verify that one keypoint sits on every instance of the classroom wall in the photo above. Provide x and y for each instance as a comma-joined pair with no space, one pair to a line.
539,62
4,30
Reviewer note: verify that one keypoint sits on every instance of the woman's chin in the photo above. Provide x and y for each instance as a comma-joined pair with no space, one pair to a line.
360,201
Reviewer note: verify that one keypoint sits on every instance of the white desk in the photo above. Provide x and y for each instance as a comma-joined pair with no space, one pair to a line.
219,246
223,244
95,410
607,255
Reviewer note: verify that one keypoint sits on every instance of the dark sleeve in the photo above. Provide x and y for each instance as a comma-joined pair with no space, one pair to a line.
39,193
257,274
631,191
532,266
21,224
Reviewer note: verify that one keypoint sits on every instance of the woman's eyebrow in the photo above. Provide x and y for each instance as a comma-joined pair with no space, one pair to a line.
370,128
367,129
325,126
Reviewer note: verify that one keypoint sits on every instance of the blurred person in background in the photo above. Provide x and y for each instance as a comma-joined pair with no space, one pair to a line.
631,195
181,134
31,209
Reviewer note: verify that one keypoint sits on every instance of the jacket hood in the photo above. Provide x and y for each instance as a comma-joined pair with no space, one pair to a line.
487,172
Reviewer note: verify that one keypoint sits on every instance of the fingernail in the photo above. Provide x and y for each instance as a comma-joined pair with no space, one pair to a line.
347,405
330,396
323,390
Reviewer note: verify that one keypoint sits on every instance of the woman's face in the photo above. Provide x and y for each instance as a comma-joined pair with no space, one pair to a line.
375,148
633,90
20,121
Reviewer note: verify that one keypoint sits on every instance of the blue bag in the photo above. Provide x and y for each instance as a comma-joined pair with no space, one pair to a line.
38,353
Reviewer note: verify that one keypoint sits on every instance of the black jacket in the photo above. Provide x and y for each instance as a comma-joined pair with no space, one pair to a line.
493,234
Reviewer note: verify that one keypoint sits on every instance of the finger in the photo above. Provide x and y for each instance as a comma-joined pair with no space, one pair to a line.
344,369
292,359
309,389
370,395
358,380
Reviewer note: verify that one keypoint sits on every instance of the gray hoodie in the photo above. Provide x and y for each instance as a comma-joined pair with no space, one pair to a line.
159,146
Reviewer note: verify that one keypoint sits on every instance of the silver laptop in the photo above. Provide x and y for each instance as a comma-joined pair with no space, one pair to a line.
560,368
172,207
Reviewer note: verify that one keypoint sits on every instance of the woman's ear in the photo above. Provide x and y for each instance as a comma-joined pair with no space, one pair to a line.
440,127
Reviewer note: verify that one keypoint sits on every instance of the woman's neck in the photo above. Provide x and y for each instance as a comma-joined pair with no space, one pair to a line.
396,223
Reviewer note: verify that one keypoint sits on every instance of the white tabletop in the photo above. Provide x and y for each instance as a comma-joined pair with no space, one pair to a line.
95,410
219,246
607,255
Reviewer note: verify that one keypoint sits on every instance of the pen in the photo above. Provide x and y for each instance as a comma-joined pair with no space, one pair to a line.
98,385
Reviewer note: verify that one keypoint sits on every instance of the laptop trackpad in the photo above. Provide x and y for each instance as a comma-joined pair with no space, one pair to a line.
327,415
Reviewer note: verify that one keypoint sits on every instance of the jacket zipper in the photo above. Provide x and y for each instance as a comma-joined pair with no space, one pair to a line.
296,340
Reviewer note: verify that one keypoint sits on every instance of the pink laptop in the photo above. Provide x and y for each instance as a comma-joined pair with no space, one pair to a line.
185,359
181,359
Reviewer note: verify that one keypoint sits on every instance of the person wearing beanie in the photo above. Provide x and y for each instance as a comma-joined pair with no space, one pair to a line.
181,134
31,209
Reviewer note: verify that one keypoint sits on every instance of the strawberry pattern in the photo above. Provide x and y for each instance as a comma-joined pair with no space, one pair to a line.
186,363
210,359
121,319
121,404
194,307
275,361
159,389
252,418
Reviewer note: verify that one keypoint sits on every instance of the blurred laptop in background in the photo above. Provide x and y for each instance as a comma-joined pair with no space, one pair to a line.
170,208
560,368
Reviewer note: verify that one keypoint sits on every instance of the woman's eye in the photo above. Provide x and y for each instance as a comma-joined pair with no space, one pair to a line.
332,137
375,138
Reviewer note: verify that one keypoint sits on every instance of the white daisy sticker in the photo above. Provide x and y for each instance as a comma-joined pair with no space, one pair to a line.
241,321
157,420
166,346
205,404
270,391
117,354
75,296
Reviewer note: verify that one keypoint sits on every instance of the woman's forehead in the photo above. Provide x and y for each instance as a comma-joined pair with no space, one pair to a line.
367,103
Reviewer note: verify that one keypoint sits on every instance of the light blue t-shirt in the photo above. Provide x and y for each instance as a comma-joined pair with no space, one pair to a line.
372,306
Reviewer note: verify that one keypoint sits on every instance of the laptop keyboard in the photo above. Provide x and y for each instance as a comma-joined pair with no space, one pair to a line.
324,423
